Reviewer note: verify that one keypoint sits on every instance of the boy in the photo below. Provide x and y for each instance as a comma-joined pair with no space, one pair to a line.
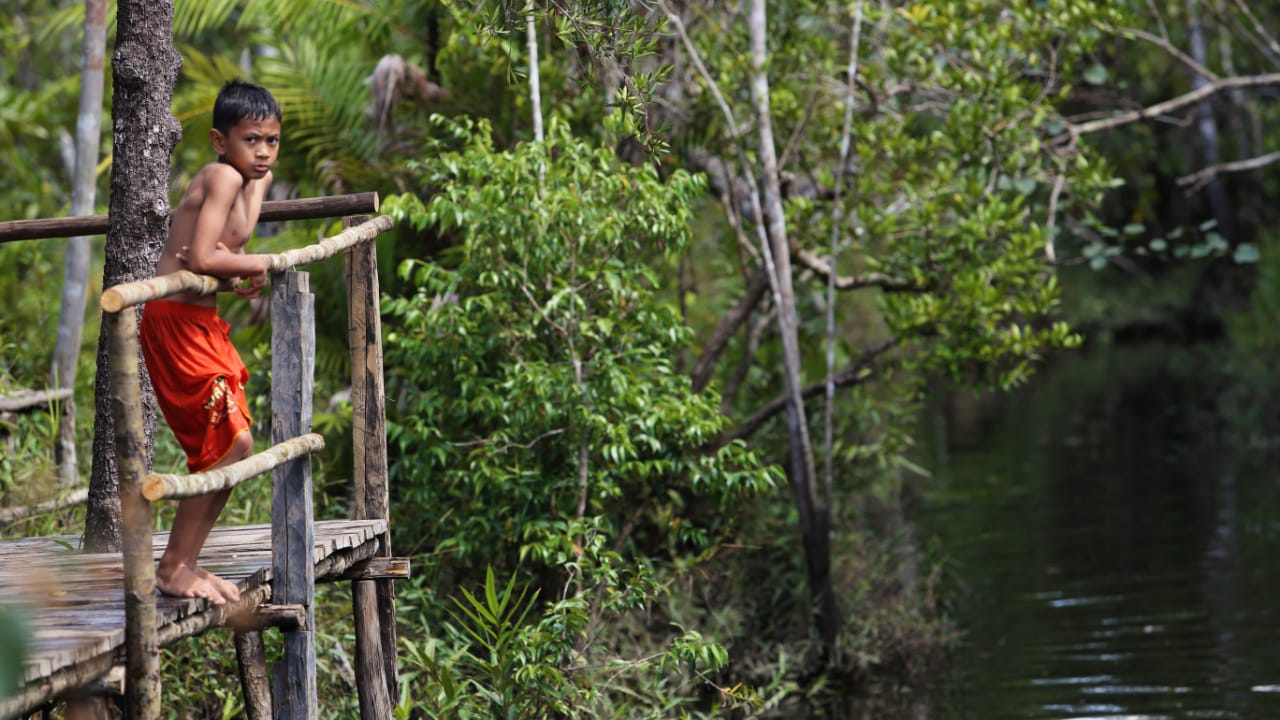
198,376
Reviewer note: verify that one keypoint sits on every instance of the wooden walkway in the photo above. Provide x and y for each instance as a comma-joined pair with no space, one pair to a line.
74,603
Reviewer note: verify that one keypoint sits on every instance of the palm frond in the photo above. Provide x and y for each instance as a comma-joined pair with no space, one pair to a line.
192,17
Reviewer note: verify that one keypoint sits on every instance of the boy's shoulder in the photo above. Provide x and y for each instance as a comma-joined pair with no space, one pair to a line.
218,173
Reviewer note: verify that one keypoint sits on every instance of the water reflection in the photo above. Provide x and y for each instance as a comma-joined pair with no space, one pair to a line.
1112,539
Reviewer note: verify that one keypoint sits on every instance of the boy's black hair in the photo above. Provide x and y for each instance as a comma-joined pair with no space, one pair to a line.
238,100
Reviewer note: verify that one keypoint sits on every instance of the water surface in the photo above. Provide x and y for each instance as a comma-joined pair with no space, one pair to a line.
1110,534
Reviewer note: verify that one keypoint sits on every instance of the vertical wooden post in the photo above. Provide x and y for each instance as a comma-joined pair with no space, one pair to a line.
251,655
292,520
373,600
143,652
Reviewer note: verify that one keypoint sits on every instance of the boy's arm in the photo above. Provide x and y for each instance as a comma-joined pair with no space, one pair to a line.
204,255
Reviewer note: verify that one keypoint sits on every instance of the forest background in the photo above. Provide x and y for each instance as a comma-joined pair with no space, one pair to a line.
669,283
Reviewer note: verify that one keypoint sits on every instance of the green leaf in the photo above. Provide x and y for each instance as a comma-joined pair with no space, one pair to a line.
1096,74
1246,253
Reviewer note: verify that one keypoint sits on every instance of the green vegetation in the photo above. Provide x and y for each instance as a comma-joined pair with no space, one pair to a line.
591,465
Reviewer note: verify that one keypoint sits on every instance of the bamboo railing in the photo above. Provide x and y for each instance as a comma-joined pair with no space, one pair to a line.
293,579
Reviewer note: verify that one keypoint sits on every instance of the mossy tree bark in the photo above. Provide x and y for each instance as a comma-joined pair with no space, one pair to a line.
144,70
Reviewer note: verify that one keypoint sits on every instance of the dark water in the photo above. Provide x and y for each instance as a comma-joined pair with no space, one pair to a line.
1111,536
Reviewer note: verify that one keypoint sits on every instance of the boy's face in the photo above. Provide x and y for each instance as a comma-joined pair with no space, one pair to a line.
250,147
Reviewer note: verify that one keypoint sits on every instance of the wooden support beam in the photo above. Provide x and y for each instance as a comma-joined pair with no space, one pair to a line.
255,683
35,694
141,645
373,601
125,295
110,684
379,568
159,486
292,520
272,211
285,617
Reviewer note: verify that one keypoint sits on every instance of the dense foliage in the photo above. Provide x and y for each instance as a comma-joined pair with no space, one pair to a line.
585,404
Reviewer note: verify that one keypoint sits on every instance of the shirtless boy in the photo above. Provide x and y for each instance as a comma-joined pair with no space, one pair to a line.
198,376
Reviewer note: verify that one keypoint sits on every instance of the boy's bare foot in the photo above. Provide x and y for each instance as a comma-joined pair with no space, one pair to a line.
185,581
229,590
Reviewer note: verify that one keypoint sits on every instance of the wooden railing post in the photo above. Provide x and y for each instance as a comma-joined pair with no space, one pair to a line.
374,601
292,519
141,646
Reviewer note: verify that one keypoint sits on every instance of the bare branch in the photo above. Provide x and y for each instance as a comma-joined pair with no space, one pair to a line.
1200,178
726,328
1164,44
821,267
855,374
1177,103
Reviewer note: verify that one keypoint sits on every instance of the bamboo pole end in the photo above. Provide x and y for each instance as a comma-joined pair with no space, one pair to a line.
112,301
153,487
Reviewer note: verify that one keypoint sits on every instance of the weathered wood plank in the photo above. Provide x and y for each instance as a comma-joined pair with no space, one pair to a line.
75,602
293,534
373,601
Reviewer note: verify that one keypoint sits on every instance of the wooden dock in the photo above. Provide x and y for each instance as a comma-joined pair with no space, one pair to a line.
74,603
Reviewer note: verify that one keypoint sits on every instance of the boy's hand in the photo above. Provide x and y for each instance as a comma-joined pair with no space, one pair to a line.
256,282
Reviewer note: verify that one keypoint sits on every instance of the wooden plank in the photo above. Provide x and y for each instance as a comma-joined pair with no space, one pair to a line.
380,568
76,605
272,211
373,601
292,521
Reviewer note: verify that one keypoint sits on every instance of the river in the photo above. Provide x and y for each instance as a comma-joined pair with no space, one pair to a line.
1110,535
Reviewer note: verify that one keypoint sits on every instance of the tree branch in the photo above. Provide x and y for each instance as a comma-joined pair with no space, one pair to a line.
1179,102
854,374
811,261
726,328
1200,178
1164,44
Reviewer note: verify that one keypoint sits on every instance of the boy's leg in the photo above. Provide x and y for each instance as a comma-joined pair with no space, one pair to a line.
177,573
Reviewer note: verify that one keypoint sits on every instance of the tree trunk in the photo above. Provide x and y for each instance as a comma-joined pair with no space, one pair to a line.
75,280
1207,126
144,71
814,513
535,82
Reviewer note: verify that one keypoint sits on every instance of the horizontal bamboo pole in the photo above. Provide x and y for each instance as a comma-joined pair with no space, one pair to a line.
329,247
183,281
331,206
27,399
159,486
75,497
126,295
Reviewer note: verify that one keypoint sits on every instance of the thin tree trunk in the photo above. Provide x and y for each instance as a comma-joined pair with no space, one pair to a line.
75,280
535,81
1207,125
814,514
144,71
837,220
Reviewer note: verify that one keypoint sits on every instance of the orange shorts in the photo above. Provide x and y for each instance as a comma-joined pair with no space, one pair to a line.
198,377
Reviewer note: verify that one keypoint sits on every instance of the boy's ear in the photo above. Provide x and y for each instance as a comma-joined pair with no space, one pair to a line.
218,141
